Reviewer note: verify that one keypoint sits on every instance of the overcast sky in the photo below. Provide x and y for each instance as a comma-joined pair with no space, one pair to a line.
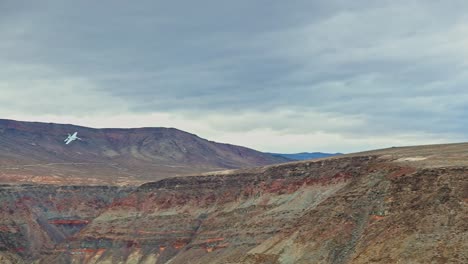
274,75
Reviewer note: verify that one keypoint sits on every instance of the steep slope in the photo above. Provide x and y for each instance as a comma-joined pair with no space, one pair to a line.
35,152
35,218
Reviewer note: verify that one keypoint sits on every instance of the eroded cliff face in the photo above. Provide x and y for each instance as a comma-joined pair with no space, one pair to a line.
36,218
355,209
207,218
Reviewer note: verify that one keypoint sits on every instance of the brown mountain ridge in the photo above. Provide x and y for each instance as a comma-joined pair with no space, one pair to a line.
35,152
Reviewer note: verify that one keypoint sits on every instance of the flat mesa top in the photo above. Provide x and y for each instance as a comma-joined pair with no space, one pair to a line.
425,156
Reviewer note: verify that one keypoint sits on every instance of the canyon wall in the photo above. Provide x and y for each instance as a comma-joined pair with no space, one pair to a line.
352,209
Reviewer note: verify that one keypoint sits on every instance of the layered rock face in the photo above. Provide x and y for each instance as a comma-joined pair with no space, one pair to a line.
382,207
206,218
35,218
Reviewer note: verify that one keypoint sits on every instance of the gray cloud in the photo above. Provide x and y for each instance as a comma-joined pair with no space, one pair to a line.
371,68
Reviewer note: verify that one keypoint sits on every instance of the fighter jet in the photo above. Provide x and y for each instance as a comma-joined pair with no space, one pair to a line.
71,138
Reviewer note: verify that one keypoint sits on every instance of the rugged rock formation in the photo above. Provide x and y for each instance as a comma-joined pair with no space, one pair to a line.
36,153
402,205
35,218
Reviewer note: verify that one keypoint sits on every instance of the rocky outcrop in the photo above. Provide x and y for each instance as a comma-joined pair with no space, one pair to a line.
36,218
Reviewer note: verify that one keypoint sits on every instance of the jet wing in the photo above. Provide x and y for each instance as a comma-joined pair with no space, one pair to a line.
68,140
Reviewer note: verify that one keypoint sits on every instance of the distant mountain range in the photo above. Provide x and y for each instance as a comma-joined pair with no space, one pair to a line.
305,155
36,152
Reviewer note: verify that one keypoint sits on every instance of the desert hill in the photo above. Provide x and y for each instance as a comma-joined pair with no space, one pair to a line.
35,152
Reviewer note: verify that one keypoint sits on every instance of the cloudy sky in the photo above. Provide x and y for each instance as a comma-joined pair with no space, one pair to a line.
274,75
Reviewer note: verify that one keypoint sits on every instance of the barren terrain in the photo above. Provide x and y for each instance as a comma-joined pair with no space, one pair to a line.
35,153
399,205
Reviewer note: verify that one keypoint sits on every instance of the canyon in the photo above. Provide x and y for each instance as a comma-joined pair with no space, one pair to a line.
397,205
